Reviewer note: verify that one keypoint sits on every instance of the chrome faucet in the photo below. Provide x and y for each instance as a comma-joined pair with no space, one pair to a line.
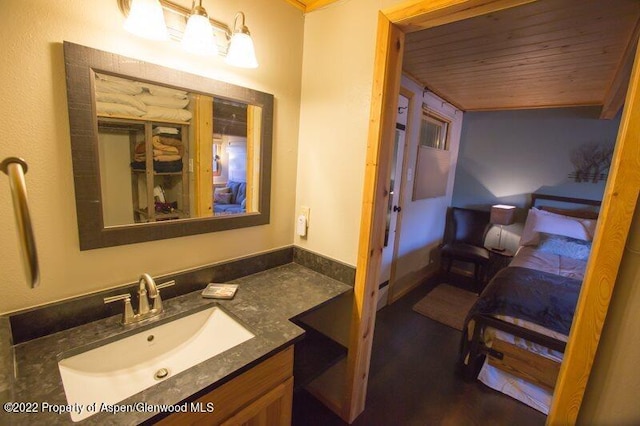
147,282
147,289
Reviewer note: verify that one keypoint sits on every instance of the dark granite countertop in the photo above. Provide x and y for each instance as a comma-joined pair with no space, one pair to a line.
265,302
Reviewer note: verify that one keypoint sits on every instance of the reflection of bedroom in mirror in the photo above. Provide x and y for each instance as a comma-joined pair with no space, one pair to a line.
159,153
163,158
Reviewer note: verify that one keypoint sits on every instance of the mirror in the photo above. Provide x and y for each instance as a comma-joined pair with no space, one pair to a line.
159,153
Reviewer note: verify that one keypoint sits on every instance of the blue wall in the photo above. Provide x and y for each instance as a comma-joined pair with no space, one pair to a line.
506,155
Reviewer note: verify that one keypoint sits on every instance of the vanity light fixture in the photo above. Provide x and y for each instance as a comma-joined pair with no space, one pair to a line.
191,29
146,19
198,36
241,51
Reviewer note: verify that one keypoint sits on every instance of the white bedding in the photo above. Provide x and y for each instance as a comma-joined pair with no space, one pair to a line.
532,395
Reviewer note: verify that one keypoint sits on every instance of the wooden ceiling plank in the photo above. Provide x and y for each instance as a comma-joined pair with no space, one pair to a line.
541,58
592,91
565,30
617,91
550,52
600,71
507,83
517,19
518,106
516,53
431,13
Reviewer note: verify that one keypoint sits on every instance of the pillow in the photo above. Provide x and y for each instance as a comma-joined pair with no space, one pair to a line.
222,197
121,98
164,91
564,246
561,225
577,227
221,190
118,109
163,101
124,87
162,113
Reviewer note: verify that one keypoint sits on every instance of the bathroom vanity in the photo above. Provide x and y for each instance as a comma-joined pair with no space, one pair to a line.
252,380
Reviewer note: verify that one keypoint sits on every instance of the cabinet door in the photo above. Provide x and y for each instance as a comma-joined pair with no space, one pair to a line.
271,409
265,390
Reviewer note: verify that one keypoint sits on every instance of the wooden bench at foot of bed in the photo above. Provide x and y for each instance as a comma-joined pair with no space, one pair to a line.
521,363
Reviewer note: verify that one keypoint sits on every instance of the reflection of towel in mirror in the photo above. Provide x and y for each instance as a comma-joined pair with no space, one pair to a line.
174,146
164,149
165,158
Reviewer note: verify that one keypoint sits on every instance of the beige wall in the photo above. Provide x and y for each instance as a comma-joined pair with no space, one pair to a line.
336,92
34,125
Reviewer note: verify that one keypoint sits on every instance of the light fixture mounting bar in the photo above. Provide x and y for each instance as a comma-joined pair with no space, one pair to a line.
125,6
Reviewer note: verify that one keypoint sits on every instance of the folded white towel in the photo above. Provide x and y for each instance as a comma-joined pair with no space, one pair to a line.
118,109
164,91
160,130
125,87
121,98
161,113
163,101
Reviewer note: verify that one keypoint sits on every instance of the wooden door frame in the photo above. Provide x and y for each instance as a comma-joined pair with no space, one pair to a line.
619,201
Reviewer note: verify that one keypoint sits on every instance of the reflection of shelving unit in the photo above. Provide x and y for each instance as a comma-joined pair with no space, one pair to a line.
143,181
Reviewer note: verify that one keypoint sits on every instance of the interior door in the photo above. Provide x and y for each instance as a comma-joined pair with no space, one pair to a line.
395,205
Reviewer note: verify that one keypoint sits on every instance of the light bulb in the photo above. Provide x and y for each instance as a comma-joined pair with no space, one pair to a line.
146,19
241,51
198,36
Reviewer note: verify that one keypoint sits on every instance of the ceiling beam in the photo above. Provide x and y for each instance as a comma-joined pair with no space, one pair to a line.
614,98
317,4
298,4
310,5
425,14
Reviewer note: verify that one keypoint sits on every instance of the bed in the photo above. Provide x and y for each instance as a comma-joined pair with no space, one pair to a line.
515,335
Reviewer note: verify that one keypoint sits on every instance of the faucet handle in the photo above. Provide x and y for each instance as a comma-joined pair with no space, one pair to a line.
165,285
128,314
124,296
157,301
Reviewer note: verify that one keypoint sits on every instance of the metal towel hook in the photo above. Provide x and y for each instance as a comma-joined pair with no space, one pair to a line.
15,168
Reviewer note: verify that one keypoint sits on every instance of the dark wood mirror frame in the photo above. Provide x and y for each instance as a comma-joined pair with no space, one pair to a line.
80,62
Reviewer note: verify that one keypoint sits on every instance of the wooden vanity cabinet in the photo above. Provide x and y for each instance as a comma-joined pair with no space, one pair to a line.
261,396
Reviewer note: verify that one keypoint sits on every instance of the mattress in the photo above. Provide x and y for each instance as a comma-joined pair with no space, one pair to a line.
520,389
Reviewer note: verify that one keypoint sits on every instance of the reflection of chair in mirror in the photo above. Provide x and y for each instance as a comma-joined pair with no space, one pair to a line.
463,241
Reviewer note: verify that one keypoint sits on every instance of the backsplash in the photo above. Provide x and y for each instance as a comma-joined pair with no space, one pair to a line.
332,268
44,320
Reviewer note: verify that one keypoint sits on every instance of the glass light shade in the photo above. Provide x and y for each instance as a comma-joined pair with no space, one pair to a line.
241,51
198,36
146,19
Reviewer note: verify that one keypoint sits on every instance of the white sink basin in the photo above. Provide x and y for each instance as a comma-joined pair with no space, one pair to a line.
118,370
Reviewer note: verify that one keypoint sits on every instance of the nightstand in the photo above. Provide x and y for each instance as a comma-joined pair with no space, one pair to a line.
497,260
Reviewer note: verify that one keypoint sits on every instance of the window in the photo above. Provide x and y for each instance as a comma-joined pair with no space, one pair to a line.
433,160
434,132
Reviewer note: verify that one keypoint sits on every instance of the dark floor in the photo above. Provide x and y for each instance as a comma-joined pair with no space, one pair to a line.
413,378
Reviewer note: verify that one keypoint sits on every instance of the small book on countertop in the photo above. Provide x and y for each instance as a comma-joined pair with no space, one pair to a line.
220,291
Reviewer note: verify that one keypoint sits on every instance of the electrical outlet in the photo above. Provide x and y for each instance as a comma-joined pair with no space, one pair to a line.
305,211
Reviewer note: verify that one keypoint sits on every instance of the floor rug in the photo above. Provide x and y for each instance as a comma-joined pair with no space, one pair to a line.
447,304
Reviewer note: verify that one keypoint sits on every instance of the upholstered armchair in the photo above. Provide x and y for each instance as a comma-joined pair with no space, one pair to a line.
463,240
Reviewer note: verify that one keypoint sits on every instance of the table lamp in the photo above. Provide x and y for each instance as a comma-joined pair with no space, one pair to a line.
501,215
